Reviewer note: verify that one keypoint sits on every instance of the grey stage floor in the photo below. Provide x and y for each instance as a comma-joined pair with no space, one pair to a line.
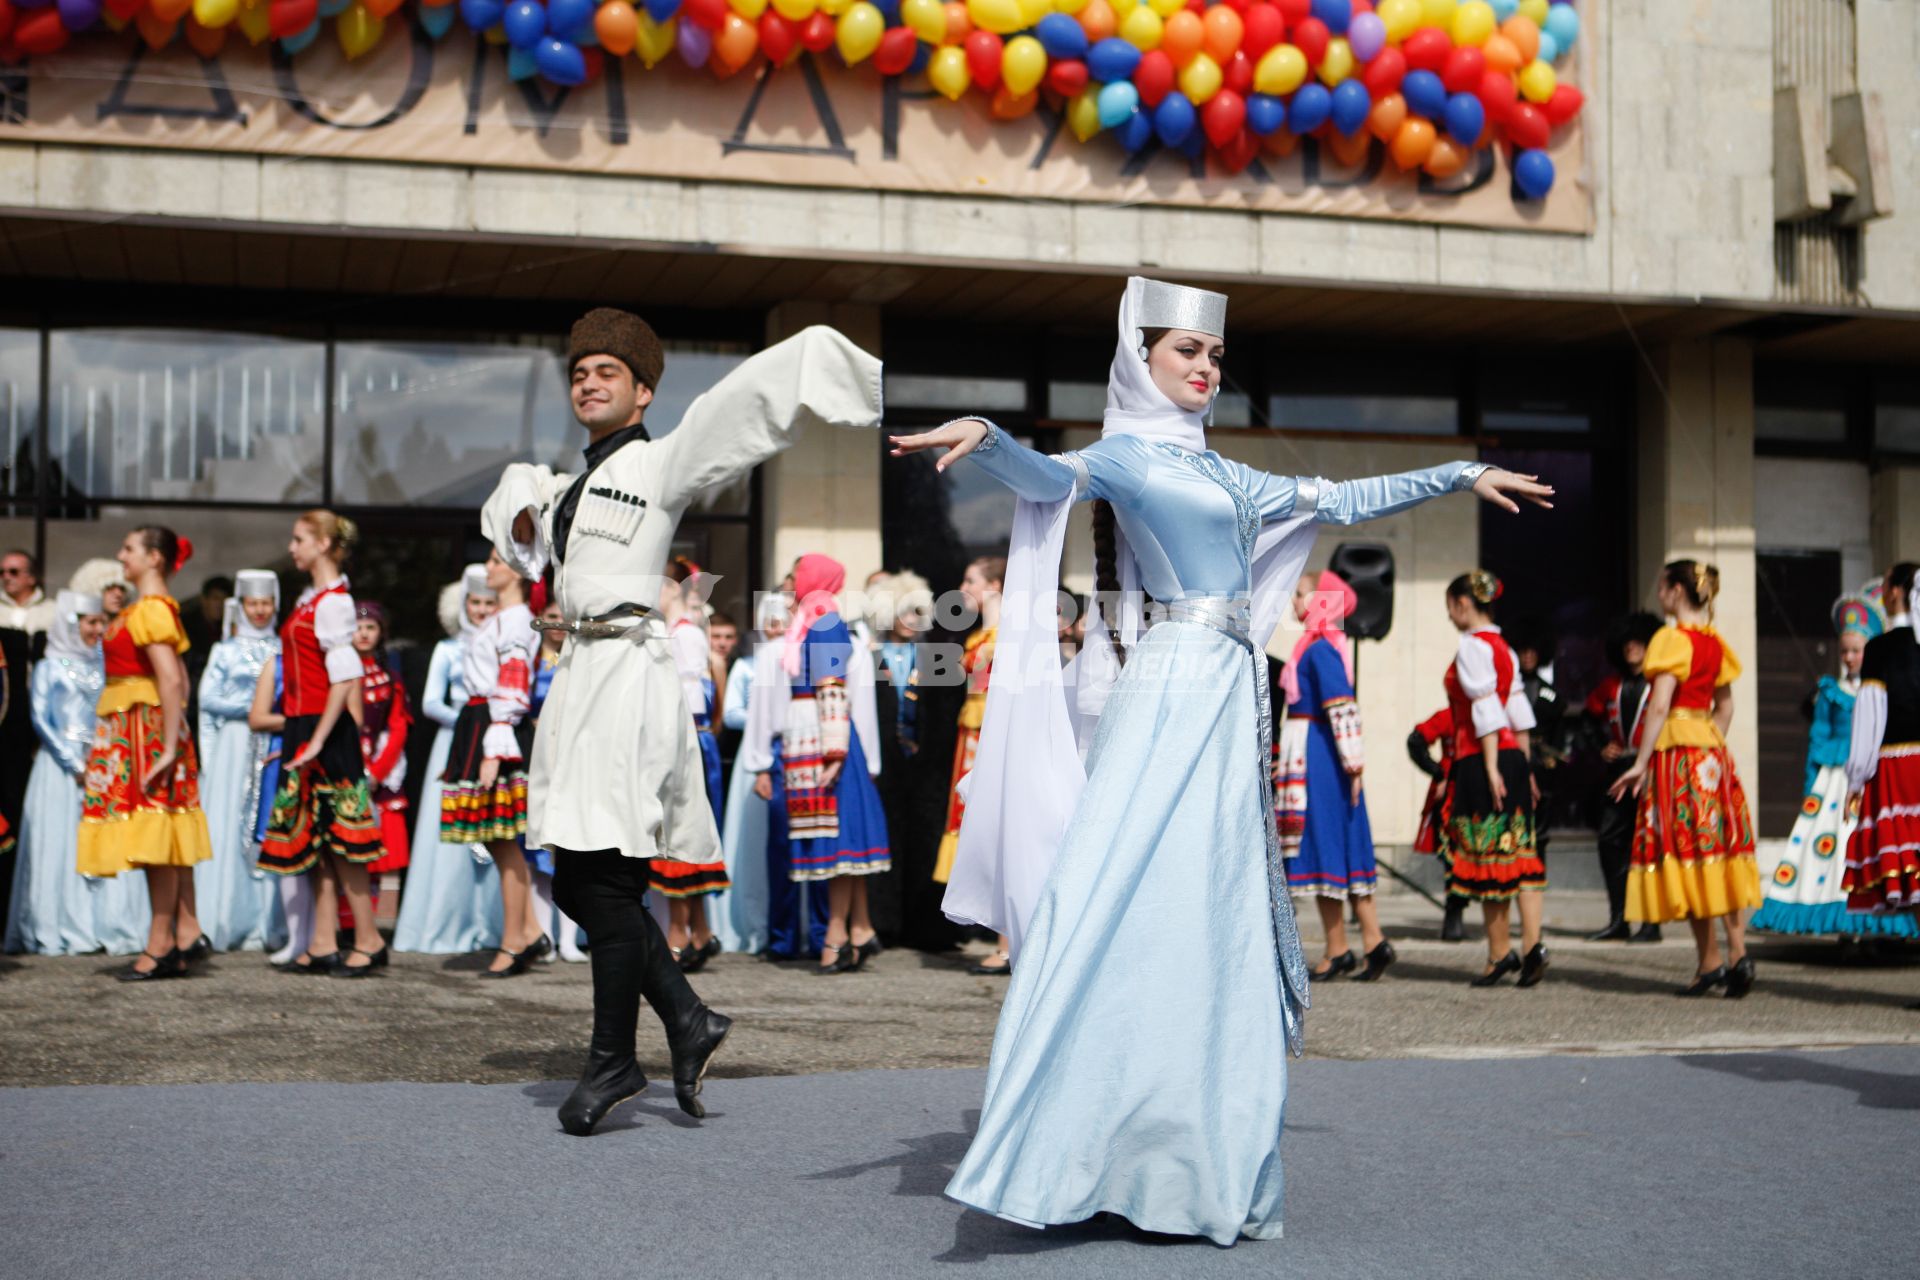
1736,1165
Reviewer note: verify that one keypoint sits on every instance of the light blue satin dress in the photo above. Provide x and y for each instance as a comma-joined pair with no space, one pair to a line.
739,912
1139,1065
451,903
239,906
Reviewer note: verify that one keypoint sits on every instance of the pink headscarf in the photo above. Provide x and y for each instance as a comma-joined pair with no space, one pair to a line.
816,580
1328,608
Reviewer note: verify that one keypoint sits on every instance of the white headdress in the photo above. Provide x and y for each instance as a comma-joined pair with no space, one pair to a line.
473,582
251,584
63,634
95,576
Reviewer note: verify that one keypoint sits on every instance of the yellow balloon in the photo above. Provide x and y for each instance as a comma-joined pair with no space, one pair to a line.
948,71
1436,13
859,31
748,9
1083,113
655,40
1142,28
1031,11
926,18
1401,18
1535,9
1473,22
834,8
357,30
1022,65
1200,79
1338,64
1537,81
255,23
1281,70
1121,8
1167,8
791,10
1002,17
1069,6
217,13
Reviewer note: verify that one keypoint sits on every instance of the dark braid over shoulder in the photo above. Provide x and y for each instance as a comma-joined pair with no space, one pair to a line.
1106,573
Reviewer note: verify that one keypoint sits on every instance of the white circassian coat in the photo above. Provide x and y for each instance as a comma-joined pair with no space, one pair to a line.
616,763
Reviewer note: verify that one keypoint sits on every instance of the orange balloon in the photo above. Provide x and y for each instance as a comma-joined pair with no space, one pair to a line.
617,26
1351,152
1281,142
1524,35
155,30
1182,36
1011,106
736,42
959,25
1413,144
206,41
1502,55
381,8
1097,20
169,10
1446,159
1225,31
1387,116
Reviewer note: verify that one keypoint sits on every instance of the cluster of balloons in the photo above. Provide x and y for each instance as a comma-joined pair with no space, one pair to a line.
1431,80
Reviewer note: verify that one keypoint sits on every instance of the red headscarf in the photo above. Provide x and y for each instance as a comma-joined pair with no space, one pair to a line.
1328,608
816,580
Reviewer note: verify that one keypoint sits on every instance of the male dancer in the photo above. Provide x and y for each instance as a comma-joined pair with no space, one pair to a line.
616,777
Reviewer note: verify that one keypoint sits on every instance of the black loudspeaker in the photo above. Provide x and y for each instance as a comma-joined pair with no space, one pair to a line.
1368,569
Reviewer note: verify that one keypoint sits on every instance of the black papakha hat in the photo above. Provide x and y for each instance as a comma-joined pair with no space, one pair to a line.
623,335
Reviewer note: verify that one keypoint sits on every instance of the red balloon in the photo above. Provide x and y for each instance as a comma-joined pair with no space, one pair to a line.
1463,69
39,32
1527,126
711,14
1067,77
1383,75
1310,36
6,19
779,38
1496,94
596,60
1265,28
984,50
1427,49
284,17
1222,117
1238,6
1197,7
1294,11
816,33
1564,105
1154,76
1238,151
127,11
1237,75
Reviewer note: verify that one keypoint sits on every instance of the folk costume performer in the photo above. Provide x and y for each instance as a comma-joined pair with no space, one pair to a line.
617,778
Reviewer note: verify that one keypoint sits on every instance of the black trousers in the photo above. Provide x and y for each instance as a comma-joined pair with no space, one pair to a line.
605,893
1616,841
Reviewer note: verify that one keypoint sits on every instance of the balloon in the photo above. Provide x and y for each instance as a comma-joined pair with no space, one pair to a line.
78,15
1504,9
1563,24
1281,142
1427,49
1501,55
1537,81
291,17
1535,11
1472,23
1436,13
1265,28
1222,117
1281,71
1008,105
1350,150
1311,37
1117,101
617,26
1336,14
1238,151
560,62
1083,114
169,10
206,41
256,23
706,13
1181,36
378,8
568,15
1136,130
984,50
1527,125
1533,174
927,19
1337,65
858,32
525,22
694,42
1425,95
1173,119
328,8
1496,95
212,14
736,44
959,23
1465,117
798,11
1447,158
662,10
1400,17
1265,113
356,30
299,40
1237,74
1068,77
1061,36
1154,76
1564,105
1201,79
1294,11
1549,48
892,58
1098,21
1167,8
654,40
1367,35
1525,35
119,10
1310,109
1112,59
1142,28
1413,144
1225,31
1001,17
155,30
1386,117
1031,11
521,65
748,9
1384,74
817,33
948,72
1463,70
1350,107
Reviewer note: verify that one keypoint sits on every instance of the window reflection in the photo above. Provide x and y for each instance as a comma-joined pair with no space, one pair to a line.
19,411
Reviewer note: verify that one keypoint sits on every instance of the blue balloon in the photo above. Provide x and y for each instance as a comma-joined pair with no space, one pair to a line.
1549,49
569,15
662,10
1424,93
334,8
1350,106
520,64
922,55
1116,102
1504,9
1311,106
1174,118
481,14
437,20
1112,59
890,10
301,39
1335,13
526,24
1563,24
1136,131
586,37
560,62
1533,174
1465,117
1061,36
1265,113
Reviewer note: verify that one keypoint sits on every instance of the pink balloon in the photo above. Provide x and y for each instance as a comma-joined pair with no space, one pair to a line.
695,43
1366,36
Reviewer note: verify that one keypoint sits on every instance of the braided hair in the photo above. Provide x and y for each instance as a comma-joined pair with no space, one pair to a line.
1698,580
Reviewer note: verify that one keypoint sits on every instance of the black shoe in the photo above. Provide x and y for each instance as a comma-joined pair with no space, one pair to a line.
1534,967
865,951
201,948
987,969
1377,961
694,959
605,1085
1345,962
1740,978
170,965
317,965
1618,931
1501,968
693,1052
1453,925
842,961
1704,983
541,948
375,960
1646,933
521,962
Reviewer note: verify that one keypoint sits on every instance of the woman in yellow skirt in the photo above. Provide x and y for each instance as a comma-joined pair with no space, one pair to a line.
981,586
142,805
1693,839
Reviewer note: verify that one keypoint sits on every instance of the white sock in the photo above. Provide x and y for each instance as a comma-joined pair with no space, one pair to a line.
296,903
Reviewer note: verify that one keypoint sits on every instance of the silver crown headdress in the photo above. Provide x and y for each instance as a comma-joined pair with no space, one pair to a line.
1175,306
256,584
475,579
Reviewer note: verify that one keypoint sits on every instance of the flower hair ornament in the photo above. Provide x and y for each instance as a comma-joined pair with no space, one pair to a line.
184,554
1485,587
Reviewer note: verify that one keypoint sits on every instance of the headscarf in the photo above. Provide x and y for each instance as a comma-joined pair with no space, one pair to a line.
63,634
1331,604
251,584
473,582
817,580
772,608
372,611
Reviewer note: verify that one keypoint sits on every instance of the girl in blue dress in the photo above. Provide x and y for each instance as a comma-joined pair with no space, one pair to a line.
1139,1063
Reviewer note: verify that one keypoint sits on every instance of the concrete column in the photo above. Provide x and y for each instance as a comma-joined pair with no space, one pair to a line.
1896,517
823,494
1695,496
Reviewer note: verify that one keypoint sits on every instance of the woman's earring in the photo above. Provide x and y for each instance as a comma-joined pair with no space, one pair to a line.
1143,354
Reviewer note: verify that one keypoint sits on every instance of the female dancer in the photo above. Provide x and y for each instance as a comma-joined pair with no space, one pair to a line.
741,914
548,918
1139,1063
269,724
1805,888
52,911
452,902
386,718
981,586
1324,832
485,796
142,805
323,813
236,902
1693,840
1883,764
1617,709
106,579
685,885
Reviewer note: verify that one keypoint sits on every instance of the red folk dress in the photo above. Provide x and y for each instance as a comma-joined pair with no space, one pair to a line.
978,662
1490,851
387,717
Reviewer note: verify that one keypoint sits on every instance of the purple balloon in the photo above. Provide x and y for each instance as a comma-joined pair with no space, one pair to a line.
33,4
78,15
1366,36
695,43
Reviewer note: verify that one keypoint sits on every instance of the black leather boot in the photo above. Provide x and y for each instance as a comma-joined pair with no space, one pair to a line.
1453,926
694,1032
1646,933
610,1079
693,1051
